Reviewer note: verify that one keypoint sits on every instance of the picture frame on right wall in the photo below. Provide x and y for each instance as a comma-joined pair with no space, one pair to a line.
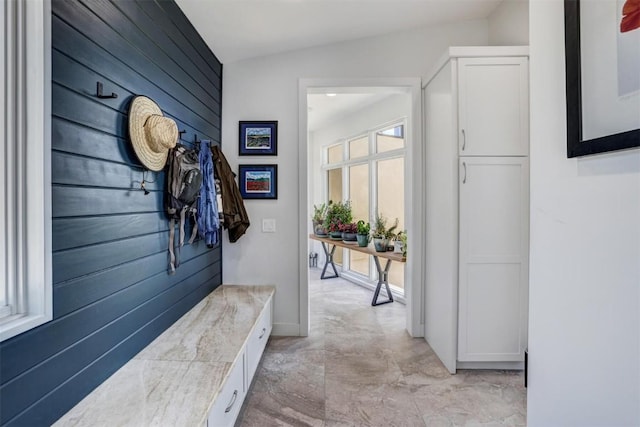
602,55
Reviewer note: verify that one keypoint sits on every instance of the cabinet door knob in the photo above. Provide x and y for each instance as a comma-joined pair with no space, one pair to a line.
464,139
464,178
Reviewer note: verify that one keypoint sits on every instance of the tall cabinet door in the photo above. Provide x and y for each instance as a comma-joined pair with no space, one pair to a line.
493,258
441,219
493,104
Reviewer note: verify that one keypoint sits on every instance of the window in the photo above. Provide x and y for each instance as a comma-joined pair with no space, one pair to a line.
391,204
25,151
335,193
359,196
359,147
371,175
390,139
334,153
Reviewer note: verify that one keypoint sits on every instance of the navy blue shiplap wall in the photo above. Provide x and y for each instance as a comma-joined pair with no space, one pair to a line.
112,294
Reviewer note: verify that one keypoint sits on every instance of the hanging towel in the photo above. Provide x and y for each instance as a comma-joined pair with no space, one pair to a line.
236,219
208,221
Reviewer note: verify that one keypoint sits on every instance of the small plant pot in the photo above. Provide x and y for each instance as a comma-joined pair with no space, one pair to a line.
363,240
380,245
349,237
398,247
335,235
319,230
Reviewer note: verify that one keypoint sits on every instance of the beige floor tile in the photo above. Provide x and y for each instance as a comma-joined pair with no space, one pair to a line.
370,405
359,367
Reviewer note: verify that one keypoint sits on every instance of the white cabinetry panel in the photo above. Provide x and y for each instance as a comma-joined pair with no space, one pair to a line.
228,403
258,341
441,248
493,100
493,276
491,312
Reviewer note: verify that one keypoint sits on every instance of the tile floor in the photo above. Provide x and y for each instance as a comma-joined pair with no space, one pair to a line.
359,367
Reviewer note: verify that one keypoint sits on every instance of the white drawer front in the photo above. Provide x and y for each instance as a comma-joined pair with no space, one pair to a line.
258,341
228,403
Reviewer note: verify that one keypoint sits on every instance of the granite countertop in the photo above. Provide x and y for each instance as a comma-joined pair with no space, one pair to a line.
175,379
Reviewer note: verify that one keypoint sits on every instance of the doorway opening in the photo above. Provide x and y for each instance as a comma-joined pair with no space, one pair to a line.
358,140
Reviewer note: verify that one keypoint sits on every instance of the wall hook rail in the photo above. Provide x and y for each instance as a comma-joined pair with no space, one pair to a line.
99,93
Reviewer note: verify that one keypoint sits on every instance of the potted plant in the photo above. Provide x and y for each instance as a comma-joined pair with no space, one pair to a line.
381,234
319,213
362,233
337,214
349,232
400,244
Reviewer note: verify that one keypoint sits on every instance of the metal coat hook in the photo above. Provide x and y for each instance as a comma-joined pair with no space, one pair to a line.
144,188
196,142
180,132
99,93
144,182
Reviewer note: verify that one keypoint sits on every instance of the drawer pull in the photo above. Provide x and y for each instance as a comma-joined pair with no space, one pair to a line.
233,400
262,334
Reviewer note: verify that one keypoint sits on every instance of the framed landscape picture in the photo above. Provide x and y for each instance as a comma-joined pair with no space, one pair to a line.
258,181
258,138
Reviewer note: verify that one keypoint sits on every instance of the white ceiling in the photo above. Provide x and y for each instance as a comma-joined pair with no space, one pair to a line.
241,29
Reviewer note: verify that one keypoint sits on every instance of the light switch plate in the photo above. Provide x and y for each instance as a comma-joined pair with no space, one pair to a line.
268,225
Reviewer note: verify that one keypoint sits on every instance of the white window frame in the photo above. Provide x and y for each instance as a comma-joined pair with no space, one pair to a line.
25,161
372,158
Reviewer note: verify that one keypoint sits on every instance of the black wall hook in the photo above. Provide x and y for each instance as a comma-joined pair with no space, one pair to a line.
143,184
180,132
99,93
196,142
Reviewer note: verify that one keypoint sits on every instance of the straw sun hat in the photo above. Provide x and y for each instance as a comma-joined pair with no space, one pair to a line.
152,135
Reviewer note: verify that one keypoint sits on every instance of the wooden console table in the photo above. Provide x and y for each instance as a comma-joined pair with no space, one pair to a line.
329,248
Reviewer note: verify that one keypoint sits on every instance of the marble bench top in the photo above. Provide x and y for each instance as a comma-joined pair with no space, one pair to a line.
175,379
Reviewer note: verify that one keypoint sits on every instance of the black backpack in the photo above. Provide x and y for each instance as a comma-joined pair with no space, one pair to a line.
184,179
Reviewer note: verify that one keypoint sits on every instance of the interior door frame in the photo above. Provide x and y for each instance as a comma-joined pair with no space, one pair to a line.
414,179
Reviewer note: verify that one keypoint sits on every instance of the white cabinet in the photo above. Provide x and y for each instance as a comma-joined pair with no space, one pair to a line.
257,341
227,405
477,207
493,260
493,106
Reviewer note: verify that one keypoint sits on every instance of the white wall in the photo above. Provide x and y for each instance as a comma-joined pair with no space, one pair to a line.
584,317
509,24
267,89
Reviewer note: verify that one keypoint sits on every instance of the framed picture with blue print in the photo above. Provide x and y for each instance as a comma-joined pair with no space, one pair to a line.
258,138
258,181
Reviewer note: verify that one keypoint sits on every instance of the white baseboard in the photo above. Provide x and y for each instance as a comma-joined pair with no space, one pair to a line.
286,330
419,333
509,366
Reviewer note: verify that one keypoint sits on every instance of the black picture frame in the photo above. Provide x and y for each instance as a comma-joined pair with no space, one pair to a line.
258,181
258,138
576,145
